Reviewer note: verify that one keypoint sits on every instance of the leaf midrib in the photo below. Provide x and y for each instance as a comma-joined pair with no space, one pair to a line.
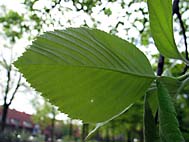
98,68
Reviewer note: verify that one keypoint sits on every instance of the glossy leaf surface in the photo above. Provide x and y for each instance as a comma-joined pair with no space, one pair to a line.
89,74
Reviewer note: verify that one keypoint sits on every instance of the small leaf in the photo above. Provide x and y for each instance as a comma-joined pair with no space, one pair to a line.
107,11
168,123
89,74
150,128
172,84
184,87
161,24
153,100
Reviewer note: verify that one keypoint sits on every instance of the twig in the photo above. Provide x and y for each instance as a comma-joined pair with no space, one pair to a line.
15,90
8,83
177,12
59,1
52,7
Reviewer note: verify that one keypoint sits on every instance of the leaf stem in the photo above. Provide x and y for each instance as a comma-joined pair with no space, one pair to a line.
183,77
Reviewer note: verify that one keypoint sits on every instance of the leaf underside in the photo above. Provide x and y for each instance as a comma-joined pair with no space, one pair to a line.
161,24
87,73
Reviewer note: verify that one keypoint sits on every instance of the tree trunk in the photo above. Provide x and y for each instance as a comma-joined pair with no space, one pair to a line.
4,116
107,135
70,129
129,136
113,131
85,130
52,125
97,136
141,136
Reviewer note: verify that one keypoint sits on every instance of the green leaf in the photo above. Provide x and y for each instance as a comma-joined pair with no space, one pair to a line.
89,74
161,24
168,123
153,100
107,11
184,87
172,84
176,86
150,128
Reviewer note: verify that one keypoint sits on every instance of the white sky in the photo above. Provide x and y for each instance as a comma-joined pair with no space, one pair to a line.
22,100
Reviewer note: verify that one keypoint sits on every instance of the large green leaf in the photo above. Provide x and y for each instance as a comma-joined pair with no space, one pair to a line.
169,127
161,24
89,74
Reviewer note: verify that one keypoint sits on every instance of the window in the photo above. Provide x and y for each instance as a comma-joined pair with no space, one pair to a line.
14,121
27,124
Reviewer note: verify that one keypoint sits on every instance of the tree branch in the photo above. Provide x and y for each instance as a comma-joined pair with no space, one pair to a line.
160,65
53,6
56,3
175,6
15,90
8,83
177,12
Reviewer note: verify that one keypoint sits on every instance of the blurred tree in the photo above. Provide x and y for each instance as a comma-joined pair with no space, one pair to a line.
45,116
13,28
11,85
10,91
127,126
